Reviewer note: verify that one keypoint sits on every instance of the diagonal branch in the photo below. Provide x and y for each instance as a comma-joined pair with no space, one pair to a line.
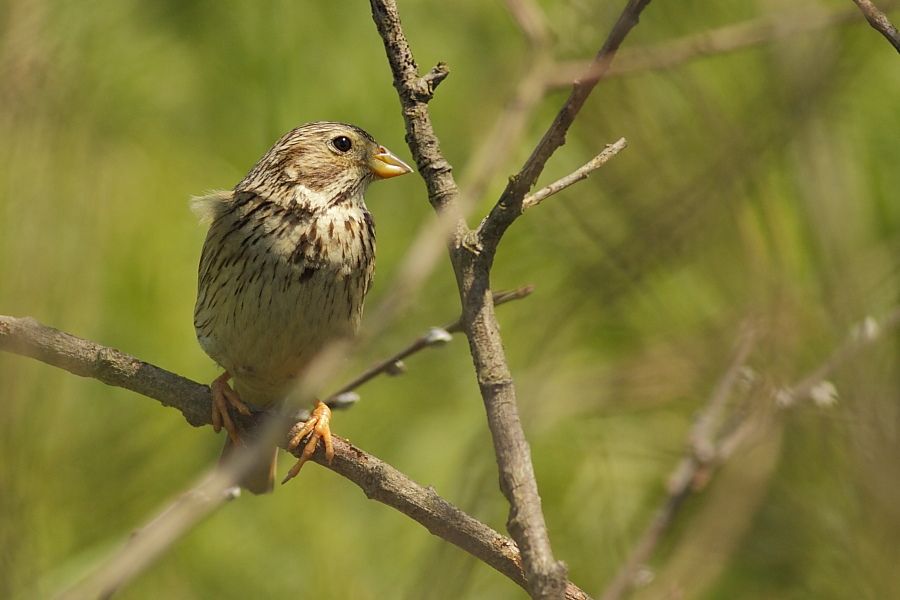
509,206
879,21
860,337
378,480
575,176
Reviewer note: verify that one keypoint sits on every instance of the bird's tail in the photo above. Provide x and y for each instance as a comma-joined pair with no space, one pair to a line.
260,480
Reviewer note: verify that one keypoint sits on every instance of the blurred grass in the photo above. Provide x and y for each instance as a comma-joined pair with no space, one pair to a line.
759,183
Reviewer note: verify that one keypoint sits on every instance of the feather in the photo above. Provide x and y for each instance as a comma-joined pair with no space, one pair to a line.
209,207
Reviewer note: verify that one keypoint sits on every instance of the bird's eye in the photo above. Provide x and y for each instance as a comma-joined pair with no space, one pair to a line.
342,143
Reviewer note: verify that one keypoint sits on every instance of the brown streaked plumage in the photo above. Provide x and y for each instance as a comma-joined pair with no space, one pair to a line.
285,268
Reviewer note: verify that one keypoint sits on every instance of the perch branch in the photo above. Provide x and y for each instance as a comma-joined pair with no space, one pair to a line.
378,480
879,21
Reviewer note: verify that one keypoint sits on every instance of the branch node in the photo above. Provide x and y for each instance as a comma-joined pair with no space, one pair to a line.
472,242
431,81
437,336
398,367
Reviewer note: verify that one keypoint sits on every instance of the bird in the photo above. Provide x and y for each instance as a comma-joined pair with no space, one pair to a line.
285,268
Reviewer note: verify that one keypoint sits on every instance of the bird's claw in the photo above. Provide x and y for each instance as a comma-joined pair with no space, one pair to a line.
317,427
224,398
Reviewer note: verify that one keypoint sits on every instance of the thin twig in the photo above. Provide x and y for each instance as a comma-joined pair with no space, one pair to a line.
574,177
509,206
376,478
430,339
879,21
545,575
706,426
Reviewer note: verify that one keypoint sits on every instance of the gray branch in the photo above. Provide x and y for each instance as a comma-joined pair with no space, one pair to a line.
472,253
377,479
879,21
509,206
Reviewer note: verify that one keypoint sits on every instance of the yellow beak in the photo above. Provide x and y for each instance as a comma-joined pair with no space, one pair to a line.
385,165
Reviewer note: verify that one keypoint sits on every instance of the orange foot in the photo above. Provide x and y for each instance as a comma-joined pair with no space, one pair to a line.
317,428
223,397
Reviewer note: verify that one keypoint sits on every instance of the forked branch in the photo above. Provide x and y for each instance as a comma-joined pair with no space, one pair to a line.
509,206
471,253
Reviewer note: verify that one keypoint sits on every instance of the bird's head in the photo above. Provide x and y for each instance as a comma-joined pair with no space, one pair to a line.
322,163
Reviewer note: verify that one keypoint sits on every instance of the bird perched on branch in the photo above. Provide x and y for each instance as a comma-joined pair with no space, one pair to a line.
285,268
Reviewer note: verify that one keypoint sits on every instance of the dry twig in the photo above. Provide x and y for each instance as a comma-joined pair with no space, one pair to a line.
509,206
575,176
472,256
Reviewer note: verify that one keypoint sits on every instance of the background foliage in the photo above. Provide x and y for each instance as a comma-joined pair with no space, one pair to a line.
761,183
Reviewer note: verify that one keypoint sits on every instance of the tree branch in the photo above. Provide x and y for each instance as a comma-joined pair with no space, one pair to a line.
378,480
544,574
509,206
575,176
84,358
420,136
879,21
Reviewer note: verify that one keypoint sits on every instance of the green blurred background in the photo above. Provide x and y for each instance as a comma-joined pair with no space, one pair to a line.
758,184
